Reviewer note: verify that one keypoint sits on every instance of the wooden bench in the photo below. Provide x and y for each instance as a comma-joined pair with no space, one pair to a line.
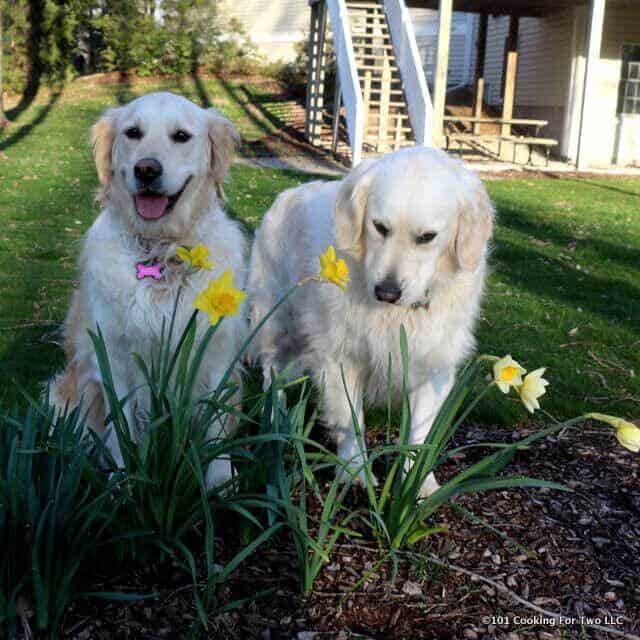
546,143
531,141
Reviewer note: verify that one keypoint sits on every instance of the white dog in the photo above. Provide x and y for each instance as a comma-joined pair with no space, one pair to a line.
414,228
161,161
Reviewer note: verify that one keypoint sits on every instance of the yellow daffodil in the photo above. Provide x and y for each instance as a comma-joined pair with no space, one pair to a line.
220,298
334,269
198,257
508,373
532,387
627,433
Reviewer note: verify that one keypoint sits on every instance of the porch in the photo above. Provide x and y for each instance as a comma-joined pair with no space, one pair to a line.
407,110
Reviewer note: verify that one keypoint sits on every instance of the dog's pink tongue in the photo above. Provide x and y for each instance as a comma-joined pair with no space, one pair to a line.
151,207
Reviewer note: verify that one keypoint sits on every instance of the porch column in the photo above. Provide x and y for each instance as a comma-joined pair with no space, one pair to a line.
594,42
445,9
478,98
510,73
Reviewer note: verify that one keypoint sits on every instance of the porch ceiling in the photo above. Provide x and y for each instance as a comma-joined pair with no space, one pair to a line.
503,7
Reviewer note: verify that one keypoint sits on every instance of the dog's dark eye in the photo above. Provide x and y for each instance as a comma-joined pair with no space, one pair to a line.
381,229
426,238
181,136
133,133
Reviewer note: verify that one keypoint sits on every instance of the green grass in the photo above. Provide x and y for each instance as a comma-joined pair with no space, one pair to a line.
564,290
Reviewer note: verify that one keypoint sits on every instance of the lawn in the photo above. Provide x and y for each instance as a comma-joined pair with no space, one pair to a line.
564,291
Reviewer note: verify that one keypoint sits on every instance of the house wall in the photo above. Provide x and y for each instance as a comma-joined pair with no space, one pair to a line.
614,138
277,26
544,57
462,50
551,65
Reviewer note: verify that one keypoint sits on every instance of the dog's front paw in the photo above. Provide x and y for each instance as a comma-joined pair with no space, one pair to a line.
429,486
218,473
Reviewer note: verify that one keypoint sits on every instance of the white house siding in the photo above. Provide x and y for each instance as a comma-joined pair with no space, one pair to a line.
550,76
461,48
275,26
614,138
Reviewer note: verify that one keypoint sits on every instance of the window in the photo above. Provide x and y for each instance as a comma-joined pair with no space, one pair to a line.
629,98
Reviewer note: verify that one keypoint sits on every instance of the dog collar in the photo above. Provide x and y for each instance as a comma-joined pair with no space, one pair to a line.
153,270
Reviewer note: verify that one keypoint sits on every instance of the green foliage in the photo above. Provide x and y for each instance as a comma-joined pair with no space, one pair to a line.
399,512
165,498
49,39
54,509
15,14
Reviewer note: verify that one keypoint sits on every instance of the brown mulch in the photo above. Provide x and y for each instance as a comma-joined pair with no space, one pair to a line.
576,553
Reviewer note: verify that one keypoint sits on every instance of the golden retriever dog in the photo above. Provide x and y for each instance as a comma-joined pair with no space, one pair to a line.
413,227
161,161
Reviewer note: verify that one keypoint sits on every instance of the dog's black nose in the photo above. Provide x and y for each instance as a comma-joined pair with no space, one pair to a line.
147,170
388,291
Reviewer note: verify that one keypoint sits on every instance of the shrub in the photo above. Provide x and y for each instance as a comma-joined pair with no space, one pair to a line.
55,507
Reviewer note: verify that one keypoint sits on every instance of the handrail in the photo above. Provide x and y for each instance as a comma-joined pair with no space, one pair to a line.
411,69
348,75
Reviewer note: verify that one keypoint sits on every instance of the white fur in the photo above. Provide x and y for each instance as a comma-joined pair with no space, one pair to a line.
326,331
130,312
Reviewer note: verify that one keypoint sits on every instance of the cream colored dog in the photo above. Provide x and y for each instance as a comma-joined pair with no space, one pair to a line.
161,161
414,228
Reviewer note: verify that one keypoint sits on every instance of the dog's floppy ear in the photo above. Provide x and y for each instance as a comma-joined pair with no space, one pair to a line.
224,139
475,225
103,135
350,205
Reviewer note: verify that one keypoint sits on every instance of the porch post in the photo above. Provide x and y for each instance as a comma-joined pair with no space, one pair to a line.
594,43
510,74
445,9
478,98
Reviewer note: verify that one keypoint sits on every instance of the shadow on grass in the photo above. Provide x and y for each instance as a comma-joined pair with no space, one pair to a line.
124,89
23,131
550,279
511,217
27,362
590,183
271,113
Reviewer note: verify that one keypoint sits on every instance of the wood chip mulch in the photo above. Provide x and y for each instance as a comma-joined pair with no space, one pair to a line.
575,553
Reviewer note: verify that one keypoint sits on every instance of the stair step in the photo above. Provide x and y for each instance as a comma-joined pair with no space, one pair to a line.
372,6
367,56
368,18
377,103
394,92
361,50
372,45
374,67
365,10
392,116
393,129
359,25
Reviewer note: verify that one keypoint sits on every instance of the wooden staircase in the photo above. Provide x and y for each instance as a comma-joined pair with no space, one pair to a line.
387,124
371,109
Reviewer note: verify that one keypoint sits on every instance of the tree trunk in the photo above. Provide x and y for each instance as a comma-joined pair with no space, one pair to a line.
3,118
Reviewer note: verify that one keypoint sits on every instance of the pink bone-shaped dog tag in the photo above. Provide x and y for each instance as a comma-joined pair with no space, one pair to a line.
149,271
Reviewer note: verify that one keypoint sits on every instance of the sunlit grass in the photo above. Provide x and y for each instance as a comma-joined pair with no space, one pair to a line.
564,290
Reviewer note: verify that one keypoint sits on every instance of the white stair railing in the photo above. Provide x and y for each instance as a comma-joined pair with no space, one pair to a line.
411,69
348,73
